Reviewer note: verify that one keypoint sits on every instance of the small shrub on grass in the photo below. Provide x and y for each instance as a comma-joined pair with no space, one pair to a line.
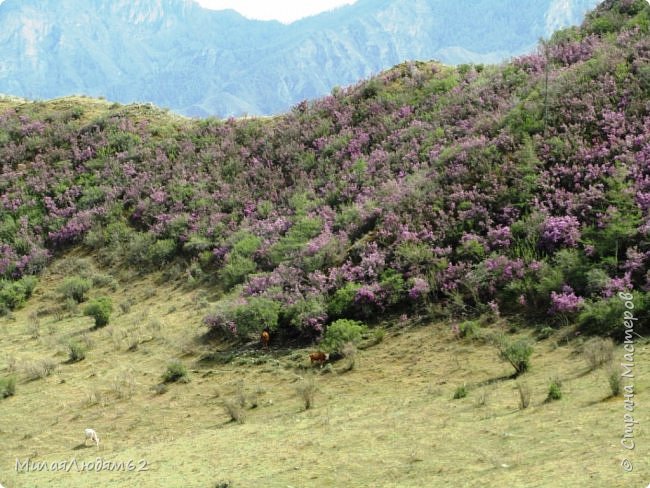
306,390
524,395
341,332
176,372
39,369
100,309
614,380
378,336
469,329
235,410
101,279
124,385
482,398
545,332
13,294
7,386
95,397
554,390
125,305
70,306
349,352
149,292
76,351
75,287
517,354
34,326
461,392
598,351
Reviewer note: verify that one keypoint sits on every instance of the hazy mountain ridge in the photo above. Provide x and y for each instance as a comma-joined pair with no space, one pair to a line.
196,61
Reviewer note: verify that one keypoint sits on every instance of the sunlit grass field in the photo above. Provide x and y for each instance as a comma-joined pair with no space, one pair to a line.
388,421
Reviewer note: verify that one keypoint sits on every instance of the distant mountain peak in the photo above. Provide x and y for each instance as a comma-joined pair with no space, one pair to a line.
203,62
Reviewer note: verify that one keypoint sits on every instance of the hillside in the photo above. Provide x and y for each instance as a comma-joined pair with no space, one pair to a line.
428,186
457,238
201,62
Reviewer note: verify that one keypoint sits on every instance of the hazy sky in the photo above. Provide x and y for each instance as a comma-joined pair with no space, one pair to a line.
283,10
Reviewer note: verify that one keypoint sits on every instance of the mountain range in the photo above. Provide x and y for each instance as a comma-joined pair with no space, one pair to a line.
201,62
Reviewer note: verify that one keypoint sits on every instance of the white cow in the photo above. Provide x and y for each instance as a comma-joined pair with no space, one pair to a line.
92,435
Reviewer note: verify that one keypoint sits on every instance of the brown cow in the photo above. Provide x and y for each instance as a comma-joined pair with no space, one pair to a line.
265,338
319,357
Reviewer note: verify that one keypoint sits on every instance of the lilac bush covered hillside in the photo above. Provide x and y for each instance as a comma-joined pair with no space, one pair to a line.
466,189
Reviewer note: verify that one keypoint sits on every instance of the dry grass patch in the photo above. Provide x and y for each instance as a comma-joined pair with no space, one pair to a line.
598,351
34,370
306,390
124,385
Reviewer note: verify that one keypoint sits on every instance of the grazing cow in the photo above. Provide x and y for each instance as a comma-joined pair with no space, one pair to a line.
319,357
92,435
265,338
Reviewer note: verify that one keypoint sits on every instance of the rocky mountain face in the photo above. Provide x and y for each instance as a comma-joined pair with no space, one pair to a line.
201,62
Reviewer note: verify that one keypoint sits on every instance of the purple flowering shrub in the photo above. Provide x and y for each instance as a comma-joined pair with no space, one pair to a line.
565,302
560,232
428,185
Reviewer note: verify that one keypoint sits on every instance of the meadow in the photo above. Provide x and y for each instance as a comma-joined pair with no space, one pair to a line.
391,420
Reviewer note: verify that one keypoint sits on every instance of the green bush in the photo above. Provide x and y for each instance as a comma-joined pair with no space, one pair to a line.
471,250
602,317
393,284
605,317
236,269
99,308
604,23
256,314
162,251
137,247
75,287
347,216
342,332
573,267
545,332
299,234
300,313
343,299
554,390
13,294
76,351
7,386
28,283
246,244
414,256
597,279
176,371
11,297
614,380
517,354
461,392
469,329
